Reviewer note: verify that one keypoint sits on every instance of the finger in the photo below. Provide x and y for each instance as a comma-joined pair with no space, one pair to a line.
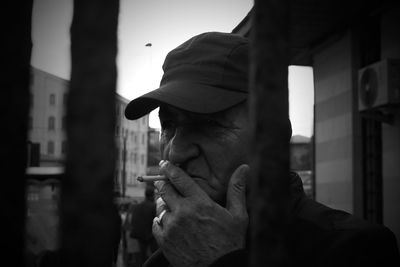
183,183
157,231
160,224
168,193
236,194
161,205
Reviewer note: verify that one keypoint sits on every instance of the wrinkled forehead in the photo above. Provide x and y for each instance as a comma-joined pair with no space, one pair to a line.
228,115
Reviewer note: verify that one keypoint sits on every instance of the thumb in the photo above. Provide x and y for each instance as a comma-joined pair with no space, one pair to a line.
236,194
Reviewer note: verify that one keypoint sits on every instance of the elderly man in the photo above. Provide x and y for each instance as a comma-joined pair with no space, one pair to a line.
204,142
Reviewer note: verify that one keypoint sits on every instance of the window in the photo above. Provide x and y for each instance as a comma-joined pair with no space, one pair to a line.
52,99
143,138
52,122
135,139
144,120
142,159
135,158
50,148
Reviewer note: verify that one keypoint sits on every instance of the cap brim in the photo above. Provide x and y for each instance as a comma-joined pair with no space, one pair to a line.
189,96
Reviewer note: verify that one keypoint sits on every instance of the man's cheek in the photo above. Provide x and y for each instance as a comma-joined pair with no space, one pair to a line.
164,149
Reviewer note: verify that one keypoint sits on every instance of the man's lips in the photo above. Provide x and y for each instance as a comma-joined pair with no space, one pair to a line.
198,179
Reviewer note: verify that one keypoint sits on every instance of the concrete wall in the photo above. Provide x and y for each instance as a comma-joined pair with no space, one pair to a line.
333,124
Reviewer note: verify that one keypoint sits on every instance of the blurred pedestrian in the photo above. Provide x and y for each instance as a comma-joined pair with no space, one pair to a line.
140,221
130,245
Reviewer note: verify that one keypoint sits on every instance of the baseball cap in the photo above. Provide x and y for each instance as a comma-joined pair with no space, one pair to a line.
206,74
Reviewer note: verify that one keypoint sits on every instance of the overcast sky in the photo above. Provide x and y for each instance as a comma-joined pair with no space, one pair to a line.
165,24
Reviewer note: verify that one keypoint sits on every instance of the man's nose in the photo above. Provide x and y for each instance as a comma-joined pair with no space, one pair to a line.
183,147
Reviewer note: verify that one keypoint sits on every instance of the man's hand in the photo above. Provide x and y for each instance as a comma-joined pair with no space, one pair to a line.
195,231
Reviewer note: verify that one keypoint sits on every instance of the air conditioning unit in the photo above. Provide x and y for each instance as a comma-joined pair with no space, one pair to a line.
379,84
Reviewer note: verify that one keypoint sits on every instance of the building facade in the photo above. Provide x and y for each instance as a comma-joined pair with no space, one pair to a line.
47,117
47,136
132,149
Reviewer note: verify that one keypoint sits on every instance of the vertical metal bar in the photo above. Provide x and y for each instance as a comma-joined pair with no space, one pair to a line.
269,187
88,215
14,80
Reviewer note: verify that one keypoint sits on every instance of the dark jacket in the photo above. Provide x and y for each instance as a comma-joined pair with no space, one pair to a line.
142,215
321,236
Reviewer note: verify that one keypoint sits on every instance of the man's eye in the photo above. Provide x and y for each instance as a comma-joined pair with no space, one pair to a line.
212,123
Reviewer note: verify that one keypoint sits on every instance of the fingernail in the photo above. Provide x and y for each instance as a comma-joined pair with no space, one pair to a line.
164,163
245,168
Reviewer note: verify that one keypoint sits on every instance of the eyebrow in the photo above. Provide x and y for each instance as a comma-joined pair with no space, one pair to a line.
166,111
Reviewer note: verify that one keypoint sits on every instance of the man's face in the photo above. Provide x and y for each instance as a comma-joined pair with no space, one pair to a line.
207,147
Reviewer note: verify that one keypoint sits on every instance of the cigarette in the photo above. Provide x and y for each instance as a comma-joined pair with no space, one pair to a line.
151,178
